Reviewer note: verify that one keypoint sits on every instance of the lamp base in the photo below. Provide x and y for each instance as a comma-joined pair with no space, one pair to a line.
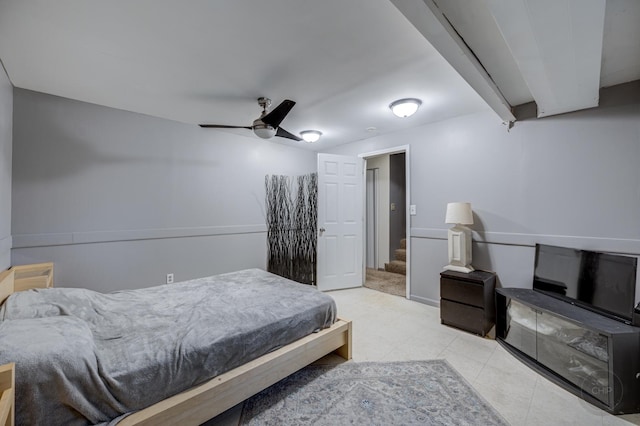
464,269
459,249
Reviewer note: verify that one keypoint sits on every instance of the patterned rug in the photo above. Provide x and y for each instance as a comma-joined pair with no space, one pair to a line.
387,393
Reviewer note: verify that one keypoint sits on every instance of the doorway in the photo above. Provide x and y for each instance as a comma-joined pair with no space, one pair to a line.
387,221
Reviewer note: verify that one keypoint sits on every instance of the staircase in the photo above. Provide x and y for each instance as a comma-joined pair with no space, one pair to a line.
399,264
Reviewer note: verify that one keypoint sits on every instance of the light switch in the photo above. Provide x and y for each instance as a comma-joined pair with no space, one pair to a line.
393,207
412,210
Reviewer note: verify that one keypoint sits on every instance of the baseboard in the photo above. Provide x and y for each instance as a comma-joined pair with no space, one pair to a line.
425,300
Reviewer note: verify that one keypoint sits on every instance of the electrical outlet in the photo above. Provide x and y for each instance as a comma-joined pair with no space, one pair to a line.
413,210
169,278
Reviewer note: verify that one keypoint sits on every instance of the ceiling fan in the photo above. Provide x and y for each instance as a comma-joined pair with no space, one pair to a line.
268,124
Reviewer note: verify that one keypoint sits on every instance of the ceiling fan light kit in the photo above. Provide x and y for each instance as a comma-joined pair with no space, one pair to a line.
405,107
263,131
311,135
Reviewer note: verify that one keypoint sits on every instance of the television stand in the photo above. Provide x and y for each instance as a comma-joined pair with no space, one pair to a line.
594,357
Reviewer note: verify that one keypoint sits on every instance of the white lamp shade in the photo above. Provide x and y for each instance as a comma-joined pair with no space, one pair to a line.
459,213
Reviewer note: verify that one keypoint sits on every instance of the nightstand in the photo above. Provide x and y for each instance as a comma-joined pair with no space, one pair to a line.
467,301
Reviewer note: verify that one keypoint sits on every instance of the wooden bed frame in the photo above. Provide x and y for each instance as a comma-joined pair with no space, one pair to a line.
7,394
24,277
205,401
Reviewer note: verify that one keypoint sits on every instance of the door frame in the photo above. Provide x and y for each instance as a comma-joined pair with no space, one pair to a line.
407,177
374,218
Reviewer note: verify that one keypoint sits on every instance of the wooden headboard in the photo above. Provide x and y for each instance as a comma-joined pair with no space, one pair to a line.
25,277
6,284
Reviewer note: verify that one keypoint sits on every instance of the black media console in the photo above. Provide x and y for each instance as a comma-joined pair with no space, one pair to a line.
592,356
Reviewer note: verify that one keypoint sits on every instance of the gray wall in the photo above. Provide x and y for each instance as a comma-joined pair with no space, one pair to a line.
6,119
119,199
570,180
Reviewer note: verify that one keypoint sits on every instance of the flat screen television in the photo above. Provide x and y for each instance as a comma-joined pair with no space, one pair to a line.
601,282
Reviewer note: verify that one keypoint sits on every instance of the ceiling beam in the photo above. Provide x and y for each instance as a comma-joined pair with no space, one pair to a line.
434,26
557,46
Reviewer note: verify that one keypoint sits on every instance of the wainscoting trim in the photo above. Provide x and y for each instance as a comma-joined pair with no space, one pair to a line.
611,245
93,237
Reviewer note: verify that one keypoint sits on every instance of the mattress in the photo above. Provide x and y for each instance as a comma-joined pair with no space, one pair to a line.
84,357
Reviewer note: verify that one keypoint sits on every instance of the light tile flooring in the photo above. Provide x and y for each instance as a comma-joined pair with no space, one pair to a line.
392,328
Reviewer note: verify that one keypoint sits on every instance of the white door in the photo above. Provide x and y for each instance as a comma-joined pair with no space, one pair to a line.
340,221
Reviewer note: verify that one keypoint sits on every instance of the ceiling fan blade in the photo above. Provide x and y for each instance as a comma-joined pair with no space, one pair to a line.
284,134
222,126
276,115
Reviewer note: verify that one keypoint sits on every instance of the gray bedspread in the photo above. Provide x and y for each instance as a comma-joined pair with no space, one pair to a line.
84,357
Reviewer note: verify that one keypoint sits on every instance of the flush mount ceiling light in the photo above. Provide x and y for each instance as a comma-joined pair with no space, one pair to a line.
311,135
405,107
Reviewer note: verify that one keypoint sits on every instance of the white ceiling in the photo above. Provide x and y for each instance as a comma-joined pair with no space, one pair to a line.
343,62
558,53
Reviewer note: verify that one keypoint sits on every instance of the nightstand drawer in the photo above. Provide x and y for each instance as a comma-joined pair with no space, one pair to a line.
463,292
463,316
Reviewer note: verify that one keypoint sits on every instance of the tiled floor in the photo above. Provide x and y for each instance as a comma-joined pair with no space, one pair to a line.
392,328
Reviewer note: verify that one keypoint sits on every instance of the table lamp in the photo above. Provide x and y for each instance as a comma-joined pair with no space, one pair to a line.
459,214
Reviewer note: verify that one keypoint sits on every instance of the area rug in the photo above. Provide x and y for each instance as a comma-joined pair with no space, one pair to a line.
372,393
386,282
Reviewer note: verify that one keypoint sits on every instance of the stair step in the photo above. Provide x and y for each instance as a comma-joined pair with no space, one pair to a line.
396,266
401,254
403,243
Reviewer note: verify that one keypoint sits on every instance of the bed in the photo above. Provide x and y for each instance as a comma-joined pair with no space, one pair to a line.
158,355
